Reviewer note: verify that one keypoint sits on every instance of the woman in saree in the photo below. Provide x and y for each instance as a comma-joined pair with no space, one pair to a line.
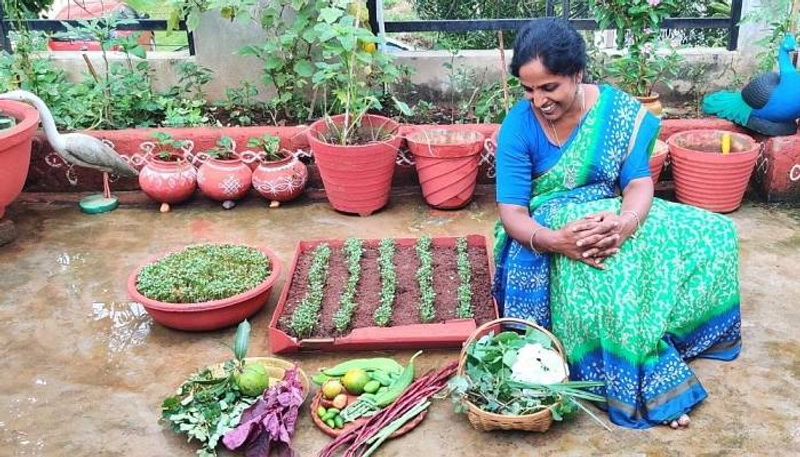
633,286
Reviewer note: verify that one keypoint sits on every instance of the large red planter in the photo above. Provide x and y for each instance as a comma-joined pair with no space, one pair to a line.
448,334
168,181
658,159
223,180
357,179
210,315
15,150
706,178
447,164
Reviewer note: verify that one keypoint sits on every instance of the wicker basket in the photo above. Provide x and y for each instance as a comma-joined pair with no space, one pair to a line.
486,421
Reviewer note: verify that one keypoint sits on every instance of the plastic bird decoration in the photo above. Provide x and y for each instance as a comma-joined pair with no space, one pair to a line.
769,104
81,150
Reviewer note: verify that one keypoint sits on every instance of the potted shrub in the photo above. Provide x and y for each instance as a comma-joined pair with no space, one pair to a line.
447,165
18,124
280,176
712,167
223,176
205,287
167,177
355,151
638,68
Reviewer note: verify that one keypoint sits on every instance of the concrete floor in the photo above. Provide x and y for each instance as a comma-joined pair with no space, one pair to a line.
85,370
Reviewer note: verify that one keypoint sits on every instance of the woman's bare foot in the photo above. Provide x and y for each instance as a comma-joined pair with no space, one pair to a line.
681,422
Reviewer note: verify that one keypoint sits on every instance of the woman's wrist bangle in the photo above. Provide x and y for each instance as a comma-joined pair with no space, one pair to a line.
533,235
635,216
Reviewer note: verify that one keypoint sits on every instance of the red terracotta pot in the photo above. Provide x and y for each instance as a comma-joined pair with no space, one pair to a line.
210,315
168,181
658,159
706,178
281,180
223,180
15,150
357,179
447,164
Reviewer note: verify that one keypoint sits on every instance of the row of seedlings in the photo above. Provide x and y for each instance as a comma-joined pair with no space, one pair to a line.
353,250
427,294
386,252
464,309
305,317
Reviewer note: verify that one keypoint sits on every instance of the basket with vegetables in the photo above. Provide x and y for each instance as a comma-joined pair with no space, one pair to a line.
515,380
247,403
357,389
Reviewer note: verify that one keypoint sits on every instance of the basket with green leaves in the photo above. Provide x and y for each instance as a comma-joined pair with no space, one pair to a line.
517,380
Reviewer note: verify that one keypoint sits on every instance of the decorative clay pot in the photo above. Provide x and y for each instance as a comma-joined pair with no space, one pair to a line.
653,103
281,180
168,181
224,180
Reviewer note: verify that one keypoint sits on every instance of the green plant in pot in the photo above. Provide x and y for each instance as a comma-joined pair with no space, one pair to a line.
353,143
268,147
168,177
641,63
280,177
224,176
206,286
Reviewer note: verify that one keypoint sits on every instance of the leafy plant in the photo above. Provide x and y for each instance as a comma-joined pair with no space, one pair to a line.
464,309
225,149
204,273
305,318
352,72
386,252
488,382
427,301
353,250
637,22
241,103
167,147
268,145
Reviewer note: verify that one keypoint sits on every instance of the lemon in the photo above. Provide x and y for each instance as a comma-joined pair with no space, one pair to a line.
331,389
355,380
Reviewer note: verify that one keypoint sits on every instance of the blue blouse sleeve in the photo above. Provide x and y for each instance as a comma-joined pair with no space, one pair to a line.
637,164
514,165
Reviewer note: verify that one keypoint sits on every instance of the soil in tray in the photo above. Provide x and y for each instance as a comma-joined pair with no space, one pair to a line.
406,306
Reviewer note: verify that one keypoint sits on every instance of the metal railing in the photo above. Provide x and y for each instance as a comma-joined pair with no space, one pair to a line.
731,24
54,25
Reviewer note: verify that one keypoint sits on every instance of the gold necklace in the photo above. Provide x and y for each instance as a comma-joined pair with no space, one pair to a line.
580,118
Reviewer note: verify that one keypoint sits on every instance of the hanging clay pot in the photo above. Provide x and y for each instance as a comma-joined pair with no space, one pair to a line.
281,180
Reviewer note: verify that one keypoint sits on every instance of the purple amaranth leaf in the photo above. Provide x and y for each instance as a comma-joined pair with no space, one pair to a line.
244,433
260,447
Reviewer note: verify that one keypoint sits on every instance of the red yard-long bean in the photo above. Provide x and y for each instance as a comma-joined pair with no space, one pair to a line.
354,442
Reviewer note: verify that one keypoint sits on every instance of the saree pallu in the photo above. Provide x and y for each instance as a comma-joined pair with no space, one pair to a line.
671,294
